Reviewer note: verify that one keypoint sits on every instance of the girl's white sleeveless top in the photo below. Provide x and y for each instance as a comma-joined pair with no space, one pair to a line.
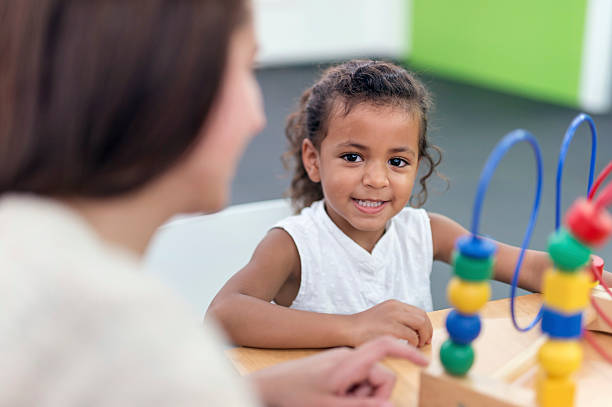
340,277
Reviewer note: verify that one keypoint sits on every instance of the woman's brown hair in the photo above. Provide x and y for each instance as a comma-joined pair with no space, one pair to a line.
351,83
98,97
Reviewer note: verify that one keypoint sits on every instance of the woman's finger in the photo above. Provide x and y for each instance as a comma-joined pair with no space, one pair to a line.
363,390
355,402
382,381
356,367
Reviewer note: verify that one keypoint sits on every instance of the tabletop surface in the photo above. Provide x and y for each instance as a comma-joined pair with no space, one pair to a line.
498,344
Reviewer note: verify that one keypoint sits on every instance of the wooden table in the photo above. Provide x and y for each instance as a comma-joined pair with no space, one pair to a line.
497,345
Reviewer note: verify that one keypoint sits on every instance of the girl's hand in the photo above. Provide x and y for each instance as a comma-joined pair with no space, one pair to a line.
340,377
391,318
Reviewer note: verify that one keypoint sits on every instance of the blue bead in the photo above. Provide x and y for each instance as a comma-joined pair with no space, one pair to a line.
560,325
462,329
476,247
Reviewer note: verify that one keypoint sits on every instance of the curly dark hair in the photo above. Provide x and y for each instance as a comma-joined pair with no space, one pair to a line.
351,83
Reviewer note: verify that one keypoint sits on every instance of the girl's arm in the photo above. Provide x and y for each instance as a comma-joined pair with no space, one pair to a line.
244,310
445,232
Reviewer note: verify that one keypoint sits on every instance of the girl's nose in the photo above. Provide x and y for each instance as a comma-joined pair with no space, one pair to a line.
375,176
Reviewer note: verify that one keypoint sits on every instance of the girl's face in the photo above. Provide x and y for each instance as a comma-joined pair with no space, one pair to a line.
367,165
236,116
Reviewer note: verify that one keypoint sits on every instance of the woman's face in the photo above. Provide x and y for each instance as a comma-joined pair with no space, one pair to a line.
236,116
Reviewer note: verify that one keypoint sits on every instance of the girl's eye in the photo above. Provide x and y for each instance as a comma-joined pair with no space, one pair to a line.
398,162
352,157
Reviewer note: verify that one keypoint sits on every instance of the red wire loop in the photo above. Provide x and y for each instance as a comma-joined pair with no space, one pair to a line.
600,178
587,335
601,312
591,340
603,200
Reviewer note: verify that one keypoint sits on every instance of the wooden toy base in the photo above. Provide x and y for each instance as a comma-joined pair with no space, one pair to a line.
593,321
437,389
502,387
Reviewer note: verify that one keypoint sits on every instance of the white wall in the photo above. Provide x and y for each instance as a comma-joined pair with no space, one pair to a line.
306,31
595,80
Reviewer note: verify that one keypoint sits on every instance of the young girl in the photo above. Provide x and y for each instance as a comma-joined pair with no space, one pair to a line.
355,263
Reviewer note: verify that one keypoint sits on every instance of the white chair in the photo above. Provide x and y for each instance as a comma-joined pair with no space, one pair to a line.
196,255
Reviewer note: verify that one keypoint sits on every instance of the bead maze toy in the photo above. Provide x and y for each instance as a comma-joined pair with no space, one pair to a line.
567,286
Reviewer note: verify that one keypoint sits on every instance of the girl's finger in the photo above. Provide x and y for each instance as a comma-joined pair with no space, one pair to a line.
408,334
418,321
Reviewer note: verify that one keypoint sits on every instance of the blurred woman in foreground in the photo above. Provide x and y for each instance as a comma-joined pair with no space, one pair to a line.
114,116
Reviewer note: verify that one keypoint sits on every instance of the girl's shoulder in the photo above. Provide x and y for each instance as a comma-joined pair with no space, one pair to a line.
307,217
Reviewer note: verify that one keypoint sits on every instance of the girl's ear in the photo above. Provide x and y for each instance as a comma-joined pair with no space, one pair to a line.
310,159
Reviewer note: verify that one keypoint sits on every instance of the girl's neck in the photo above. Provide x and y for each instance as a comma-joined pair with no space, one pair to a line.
366,239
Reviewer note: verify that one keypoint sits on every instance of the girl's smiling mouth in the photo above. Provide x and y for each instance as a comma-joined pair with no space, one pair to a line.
370,207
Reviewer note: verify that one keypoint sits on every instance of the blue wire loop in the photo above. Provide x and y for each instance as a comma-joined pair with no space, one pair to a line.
567,139
495,157
569,135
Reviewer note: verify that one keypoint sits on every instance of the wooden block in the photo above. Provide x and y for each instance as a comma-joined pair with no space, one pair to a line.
521,363
437,389
593,322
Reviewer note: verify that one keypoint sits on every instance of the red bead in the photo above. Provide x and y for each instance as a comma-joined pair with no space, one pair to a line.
587,225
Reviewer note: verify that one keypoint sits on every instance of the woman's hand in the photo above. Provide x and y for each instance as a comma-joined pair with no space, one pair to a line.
340,377
391,318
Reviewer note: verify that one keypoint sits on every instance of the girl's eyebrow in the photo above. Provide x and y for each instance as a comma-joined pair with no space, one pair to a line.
353,145
402,149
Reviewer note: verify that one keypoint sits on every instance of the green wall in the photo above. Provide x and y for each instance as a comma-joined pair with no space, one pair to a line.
529,47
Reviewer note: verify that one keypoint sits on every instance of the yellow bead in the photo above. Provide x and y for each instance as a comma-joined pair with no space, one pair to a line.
555,392
567,292
559,358
468,297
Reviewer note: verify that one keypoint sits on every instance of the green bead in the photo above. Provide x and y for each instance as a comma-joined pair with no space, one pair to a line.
567,253
472,269
456,359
